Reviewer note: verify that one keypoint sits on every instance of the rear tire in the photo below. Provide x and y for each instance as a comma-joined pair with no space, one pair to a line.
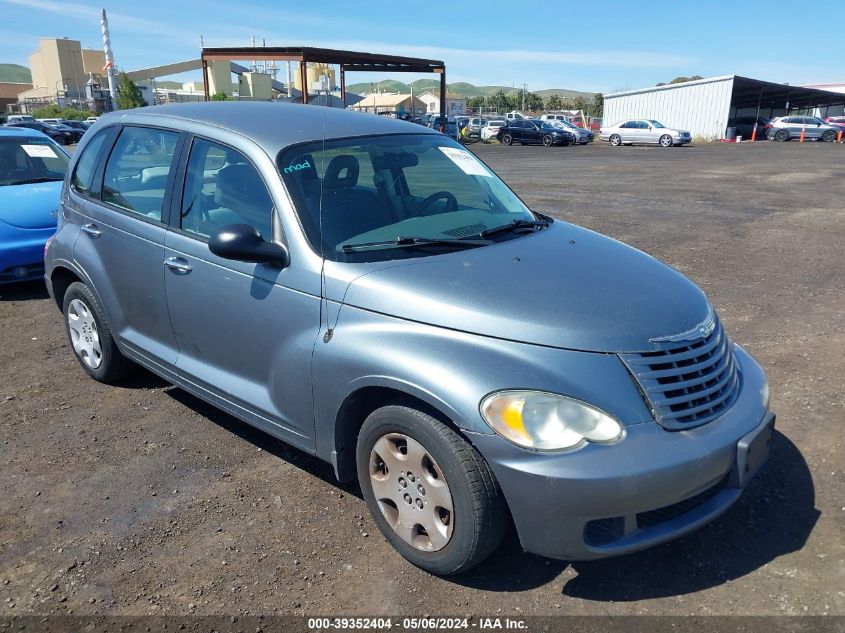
615,140
438,468
507,139
90,336
781,136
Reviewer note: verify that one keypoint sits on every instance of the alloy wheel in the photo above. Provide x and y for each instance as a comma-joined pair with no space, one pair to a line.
412,492
83,333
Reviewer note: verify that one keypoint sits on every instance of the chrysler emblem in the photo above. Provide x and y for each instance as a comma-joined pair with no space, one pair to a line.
702,330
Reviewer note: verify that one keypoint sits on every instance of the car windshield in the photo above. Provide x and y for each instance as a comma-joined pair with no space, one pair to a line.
25,159
656,124
397,188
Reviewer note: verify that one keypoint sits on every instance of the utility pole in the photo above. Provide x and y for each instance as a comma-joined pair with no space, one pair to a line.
524,86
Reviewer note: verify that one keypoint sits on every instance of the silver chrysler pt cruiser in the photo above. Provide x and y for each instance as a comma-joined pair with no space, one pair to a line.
368,291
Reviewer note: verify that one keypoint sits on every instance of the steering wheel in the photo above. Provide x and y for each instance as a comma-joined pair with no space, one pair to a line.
451,201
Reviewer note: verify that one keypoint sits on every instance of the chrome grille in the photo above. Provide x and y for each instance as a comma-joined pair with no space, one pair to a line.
688,383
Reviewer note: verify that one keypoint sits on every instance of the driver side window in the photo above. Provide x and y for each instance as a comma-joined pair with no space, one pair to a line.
222,187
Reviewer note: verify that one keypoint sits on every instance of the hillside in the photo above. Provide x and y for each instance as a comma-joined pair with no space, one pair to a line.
15,73
461,88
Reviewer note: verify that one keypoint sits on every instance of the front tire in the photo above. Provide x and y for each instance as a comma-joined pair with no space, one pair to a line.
548,141
666,141
90,336
829,136
507,139
615,140
431,494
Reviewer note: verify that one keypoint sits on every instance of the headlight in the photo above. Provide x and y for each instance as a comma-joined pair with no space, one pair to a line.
546,421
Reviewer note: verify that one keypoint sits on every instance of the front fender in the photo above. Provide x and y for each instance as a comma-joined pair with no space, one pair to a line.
452,371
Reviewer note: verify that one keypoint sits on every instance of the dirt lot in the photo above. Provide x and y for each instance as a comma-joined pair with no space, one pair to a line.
141,499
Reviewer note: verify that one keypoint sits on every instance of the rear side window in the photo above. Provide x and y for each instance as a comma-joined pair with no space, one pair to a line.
83,173
222,187
138,169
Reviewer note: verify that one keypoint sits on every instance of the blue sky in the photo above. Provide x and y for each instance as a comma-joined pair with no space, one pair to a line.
611,45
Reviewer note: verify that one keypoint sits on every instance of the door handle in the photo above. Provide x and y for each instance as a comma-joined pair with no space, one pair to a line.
92,230
178,264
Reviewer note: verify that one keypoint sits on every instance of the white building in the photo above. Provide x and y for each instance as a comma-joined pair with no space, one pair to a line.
455,104
705,106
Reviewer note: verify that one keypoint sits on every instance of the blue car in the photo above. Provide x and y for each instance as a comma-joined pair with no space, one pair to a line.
32,168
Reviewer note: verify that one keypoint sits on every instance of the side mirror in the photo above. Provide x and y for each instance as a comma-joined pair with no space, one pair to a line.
243,242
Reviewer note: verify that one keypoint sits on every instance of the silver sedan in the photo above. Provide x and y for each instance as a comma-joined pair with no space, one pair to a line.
644,131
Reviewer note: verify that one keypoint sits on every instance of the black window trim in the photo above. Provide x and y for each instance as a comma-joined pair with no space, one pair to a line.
97,177
174,220
168,188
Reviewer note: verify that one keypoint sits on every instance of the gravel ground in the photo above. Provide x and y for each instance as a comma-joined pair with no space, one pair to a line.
140,499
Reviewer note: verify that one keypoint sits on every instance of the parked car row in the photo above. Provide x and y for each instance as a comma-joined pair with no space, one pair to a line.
65,133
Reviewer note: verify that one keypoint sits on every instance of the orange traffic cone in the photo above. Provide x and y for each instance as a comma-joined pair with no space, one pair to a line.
802,134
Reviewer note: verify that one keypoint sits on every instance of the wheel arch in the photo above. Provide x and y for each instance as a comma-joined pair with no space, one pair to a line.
360,403
61,278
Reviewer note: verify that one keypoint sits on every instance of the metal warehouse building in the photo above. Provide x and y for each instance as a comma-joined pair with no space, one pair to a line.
705,106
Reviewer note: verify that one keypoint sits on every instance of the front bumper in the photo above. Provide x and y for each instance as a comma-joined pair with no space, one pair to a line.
22,255
651,487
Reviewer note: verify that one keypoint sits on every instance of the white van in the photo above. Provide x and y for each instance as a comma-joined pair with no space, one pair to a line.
554,117
515,116
17,118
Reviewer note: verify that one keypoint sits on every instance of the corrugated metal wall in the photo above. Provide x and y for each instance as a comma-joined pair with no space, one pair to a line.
701,107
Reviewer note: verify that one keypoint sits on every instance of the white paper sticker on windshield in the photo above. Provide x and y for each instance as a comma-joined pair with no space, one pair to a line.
468,163
39,151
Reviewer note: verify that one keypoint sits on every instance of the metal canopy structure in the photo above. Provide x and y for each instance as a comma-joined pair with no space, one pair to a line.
749,93
706,106
349,61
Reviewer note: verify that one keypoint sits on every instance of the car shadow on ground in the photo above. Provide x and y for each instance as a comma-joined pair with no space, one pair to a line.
266,442
24,291
775,516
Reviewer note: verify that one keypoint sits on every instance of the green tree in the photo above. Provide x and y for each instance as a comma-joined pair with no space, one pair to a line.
597,107
499,101
54,111
219,96
554,102
128,94
680,79
475,103
533,101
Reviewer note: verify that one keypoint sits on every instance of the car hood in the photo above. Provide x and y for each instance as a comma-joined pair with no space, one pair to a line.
563,286
30,206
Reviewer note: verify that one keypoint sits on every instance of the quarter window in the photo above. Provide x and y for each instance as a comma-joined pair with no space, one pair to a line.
222,187
83,173
138,169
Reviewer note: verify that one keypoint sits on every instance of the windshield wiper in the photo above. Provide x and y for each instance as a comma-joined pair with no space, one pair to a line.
521,223
411,242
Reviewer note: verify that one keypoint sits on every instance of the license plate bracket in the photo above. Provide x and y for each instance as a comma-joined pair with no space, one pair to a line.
752,451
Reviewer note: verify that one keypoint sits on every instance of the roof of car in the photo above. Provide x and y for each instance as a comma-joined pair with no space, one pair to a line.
9,130
273,126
